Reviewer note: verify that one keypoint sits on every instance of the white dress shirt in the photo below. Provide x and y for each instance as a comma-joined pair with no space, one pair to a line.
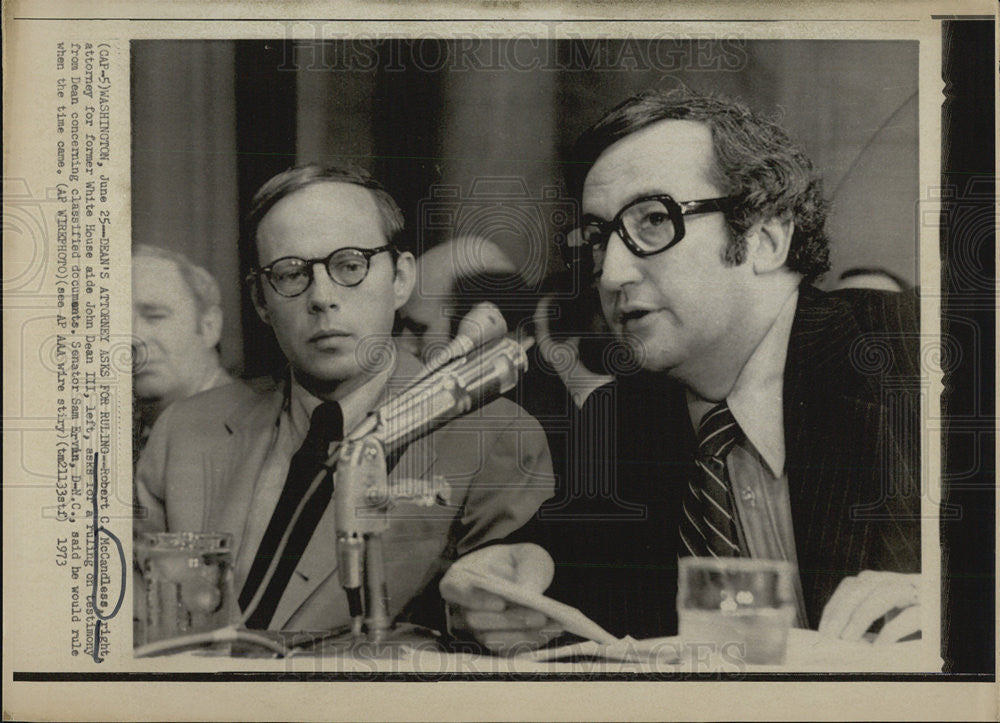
756,465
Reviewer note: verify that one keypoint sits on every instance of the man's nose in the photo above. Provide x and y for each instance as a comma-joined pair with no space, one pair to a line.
140,329
323,293
140,339
620,266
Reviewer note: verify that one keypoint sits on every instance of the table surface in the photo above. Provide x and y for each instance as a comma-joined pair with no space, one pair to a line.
808,652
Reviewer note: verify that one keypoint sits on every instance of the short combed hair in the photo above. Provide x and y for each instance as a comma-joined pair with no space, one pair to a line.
203,286
756,163
295,179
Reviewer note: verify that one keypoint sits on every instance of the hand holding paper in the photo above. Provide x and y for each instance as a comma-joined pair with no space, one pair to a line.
495,594
864,598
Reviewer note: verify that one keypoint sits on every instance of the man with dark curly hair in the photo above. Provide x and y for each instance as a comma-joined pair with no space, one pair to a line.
770,420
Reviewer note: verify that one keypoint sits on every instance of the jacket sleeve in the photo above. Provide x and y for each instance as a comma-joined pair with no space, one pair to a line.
514,477
514,480
149,501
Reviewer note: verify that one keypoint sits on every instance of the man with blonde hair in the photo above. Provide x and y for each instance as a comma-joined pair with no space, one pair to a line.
330,268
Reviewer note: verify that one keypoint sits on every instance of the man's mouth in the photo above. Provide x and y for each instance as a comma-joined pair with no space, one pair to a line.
328,337
143,366
629,315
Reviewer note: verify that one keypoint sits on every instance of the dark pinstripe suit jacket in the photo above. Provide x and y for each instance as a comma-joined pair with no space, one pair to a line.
851,413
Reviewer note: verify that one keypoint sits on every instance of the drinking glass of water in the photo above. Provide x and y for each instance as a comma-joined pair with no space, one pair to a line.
739,608
188,581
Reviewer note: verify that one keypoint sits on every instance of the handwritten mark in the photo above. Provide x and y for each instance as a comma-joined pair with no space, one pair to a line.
97,529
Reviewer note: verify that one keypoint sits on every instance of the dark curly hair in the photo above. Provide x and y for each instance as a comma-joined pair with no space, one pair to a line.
756,163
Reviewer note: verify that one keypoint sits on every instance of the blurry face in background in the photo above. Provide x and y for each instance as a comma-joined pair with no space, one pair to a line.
427,317
174,349
322,330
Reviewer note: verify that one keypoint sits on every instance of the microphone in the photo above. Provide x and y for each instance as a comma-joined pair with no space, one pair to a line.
361,483
481,325
453,390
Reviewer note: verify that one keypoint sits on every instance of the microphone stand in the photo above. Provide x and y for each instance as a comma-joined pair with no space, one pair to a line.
364,498
363,495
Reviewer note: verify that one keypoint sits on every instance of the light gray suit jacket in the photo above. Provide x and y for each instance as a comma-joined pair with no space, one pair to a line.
205,454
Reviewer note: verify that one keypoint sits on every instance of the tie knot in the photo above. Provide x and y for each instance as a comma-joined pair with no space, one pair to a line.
718,432
325,425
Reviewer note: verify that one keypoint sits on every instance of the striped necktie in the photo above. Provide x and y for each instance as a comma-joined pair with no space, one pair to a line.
708,524
325,427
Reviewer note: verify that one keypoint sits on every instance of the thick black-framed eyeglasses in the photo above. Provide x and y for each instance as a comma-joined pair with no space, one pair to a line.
291,275
648,225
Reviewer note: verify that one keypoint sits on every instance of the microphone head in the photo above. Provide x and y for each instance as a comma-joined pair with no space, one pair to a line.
482,324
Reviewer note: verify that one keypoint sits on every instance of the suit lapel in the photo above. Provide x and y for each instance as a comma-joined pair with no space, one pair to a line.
817,371
653,416
251,430
830,411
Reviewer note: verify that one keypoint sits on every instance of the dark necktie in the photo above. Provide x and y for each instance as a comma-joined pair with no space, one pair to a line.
708,524
325,427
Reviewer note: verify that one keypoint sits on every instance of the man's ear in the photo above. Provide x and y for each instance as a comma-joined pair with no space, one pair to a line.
211,326
257,297
406,278
768,242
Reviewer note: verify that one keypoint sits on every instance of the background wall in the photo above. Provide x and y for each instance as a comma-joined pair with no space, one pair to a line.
471,136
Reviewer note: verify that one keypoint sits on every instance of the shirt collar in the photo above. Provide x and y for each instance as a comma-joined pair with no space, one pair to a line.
756,398
355,406
216,379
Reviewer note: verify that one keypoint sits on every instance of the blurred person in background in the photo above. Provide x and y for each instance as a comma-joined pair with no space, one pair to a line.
176,325
457,275
446,290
